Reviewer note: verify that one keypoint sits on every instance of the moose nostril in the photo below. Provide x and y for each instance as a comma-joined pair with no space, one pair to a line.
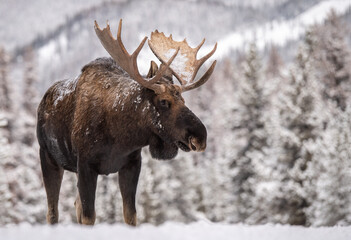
196,145
192,145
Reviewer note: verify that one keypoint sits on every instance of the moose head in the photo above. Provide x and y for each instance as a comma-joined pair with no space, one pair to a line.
178,127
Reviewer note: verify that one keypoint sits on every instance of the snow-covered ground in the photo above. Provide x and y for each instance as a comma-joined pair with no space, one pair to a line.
170,231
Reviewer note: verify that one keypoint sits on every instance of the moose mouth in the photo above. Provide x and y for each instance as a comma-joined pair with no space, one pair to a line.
183,146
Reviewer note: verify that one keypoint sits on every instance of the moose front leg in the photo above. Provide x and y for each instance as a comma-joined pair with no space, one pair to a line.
128,181
85,202
52,177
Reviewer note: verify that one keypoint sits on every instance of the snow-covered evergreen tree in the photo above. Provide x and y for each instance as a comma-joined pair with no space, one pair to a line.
21,186
216,104
5,100
254,137
108,200
6,107
7,161
298,121
274,63
327,43
156,186
27,173
30,98
68,195
330,172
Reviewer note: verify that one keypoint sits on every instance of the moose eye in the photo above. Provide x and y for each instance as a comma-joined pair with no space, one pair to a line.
164,103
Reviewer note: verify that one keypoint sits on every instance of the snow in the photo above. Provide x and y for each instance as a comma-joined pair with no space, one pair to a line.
179,64
65,88
3,120
252,3
318,13
200,230
47,52
129,88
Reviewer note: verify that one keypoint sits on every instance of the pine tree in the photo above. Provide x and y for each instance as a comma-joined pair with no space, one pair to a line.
8,186
24,179
298,123
274,64
156,190
30,93
327,43
68,195
252,127
6,107
329,172
30,98
108,200
5,102
215,103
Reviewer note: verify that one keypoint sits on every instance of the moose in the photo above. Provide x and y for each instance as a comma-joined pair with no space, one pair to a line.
99,122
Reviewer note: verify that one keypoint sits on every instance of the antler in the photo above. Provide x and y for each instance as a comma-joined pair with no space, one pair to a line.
128,62
185,66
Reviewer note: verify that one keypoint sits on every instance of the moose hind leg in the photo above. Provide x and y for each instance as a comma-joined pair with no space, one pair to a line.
78,206
85,206
79,210
128,181
52,178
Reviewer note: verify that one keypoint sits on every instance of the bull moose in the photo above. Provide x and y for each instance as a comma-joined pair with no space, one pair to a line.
99,122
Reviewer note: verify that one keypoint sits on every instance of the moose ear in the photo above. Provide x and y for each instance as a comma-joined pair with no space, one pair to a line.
168,74
153,70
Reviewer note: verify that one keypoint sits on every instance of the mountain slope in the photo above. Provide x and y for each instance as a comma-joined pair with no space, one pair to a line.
66,41
280,32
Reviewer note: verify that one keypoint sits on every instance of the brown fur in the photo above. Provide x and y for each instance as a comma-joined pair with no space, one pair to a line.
98,124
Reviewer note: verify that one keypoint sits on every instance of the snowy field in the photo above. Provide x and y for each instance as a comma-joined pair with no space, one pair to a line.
173,231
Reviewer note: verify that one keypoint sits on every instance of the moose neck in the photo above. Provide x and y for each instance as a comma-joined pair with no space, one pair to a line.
130,105
142,120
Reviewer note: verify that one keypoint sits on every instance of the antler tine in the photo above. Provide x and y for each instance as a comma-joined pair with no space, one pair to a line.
119,39
201,61
202,80
200,45
118,52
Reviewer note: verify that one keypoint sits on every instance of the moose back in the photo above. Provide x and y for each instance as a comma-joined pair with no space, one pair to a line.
99,122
